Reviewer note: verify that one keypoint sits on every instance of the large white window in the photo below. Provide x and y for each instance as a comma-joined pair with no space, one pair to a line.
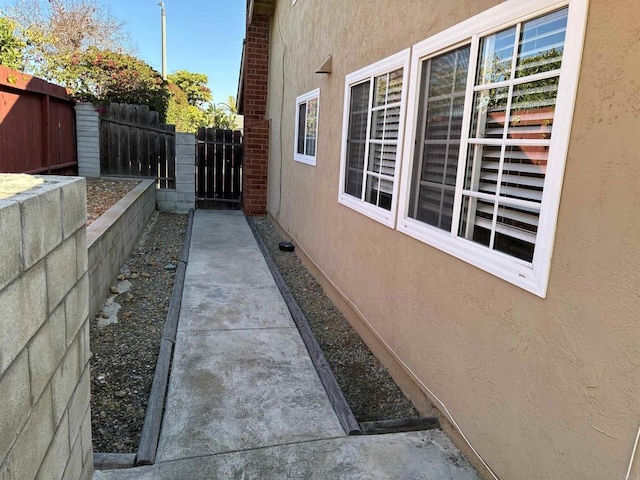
490,107
307,106
371,138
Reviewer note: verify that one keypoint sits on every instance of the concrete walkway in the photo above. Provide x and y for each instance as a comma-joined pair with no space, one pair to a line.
244,399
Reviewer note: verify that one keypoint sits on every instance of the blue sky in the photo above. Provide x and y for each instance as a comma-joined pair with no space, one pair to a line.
203,36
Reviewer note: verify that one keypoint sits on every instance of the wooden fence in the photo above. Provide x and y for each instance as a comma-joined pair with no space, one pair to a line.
37,126
219,168
135,144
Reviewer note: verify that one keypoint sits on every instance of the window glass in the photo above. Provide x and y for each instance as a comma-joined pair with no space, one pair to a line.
520,115
372,142
357,138
302,114
443,86
311,127
542,44
496,57
307,127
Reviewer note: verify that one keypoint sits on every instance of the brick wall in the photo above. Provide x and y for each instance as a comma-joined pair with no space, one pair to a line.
45,423
256,126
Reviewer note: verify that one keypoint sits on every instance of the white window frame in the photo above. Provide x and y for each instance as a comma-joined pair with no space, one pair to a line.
387,65
299,157
534,276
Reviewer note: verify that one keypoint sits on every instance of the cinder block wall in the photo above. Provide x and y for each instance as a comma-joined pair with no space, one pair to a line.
88,140
183,198
111,239
45,424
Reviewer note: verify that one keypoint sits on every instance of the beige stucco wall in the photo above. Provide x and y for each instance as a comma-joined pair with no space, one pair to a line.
543,388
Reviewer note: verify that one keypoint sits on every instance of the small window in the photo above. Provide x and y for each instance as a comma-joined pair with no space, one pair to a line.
372,135
307,127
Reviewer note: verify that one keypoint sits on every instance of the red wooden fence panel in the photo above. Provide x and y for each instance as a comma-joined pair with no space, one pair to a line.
37,126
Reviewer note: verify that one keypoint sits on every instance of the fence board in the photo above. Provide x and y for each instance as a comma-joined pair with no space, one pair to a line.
138,145
219,167
219,149
237,161
228,171
37,126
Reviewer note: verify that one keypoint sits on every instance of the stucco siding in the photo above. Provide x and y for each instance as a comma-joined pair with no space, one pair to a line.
542,387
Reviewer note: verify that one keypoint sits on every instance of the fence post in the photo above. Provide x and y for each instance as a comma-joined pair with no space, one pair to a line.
88,140
185,171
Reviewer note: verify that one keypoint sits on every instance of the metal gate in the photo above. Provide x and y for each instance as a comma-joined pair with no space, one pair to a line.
219,168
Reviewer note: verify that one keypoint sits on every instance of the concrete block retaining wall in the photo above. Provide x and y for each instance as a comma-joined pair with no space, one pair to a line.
45,423
111,239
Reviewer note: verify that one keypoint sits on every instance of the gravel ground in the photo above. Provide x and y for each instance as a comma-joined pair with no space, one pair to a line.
125,353
369,389
102,194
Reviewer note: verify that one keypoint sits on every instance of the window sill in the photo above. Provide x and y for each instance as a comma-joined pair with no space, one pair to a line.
378,214
306,159
517,272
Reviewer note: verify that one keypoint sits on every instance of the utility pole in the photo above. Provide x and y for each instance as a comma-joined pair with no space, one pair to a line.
164,41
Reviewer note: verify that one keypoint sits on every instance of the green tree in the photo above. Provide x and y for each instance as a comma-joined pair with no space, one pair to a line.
191,104
11,47
194,85
186,117
102,76
56,30
223,115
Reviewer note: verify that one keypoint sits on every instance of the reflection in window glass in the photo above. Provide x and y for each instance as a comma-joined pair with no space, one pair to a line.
307,127
496,55
511,126
379,148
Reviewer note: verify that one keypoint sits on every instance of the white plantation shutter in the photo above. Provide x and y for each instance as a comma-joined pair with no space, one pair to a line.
440,119
357,138
484,162
512,123
372,141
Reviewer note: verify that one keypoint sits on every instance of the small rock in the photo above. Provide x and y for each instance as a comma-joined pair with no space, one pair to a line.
103,415
120,394
128,314
129,296
145,275
170,266
104,315
133,276
121,277
115,290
